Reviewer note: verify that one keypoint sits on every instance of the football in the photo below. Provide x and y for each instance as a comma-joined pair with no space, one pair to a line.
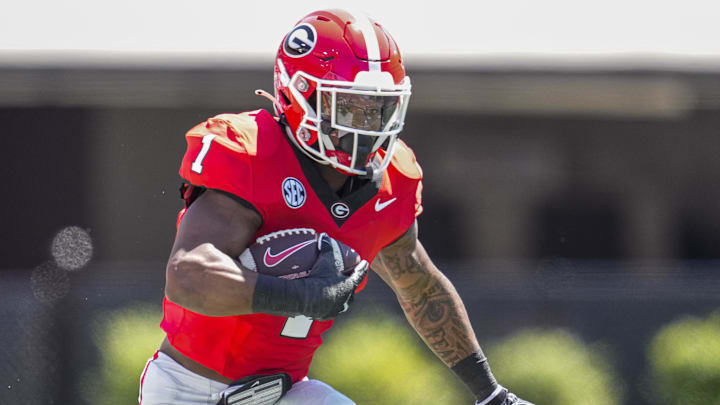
290,253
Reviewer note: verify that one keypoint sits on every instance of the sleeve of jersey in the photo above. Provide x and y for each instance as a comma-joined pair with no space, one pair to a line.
219,157
418,198
405,162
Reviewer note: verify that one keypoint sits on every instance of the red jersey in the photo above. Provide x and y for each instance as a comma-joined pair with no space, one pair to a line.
249,155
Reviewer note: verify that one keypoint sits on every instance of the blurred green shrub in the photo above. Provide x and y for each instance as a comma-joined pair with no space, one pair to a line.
554,368
378,359
375,358
126,338
685,361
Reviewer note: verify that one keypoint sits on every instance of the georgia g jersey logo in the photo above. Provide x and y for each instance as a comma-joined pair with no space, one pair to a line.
300,41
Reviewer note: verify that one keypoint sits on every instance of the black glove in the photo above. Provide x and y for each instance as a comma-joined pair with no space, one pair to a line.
322,295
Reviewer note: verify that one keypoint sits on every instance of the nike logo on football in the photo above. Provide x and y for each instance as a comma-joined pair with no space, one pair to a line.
272,260
381,206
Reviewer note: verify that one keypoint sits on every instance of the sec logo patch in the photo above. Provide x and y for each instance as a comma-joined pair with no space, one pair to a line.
293,192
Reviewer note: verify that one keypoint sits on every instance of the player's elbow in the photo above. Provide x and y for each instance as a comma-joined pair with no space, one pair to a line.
183,284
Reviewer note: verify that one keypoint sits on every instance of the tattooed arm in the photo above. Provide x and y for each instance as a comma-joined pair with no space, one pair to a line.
435,310
429,300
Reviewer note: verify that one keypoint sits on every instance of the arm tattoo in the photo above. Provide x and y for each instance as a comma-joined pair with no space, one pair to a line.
430,302
399,264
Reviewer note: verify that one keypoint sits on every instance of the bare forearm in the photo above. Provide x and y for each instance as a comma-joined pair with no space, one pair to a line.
433,307
430,302
209,282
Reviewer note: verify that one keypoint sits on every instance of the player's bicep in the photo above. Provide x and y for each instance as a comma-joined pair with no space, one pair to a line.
218,219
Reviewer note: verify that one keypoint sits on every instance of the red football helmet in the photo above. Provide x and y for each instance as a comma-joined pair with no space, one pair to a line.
341,86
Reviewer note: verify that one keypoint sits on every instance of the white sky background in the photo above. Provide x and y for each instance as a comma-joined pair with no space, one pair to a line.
515,28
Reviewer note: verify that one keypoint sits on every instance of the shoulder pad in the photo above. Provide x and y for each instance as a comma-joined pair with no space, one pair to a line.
238,132
404,161
222,150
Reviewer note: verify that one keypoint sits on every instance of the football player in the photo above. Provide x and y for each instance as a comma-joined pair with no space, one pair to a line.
328,159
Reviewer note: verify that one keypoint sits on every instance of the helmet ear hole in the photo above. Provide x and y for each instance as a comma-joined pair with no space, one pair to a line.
302,84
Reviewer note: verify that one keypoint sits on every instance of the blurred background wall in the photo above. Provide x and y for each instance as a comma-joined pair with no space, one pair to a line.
574,195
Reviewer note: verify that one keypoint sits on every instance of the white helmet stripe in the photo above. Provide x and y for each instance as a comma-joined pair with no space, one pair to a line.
371,41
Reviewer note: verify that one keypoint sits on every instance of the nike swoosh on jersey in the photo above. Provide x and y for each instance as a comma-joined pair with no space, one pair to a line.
272,260
381,206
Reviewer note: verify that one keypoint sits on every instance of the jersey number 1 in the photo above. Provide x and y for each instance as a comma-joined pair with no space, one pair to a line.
197,166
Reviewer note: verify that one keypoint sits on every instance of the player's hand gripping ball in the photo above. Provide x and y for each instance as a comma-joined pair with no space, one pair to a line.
291,253
303,273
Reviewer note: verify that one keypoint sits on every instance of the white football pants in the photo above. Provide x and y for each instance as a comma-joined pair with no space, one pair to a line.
165,382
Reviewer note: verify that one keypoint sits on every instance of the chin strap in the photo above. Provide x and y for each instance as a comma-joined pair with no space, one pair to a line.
369,173
372,171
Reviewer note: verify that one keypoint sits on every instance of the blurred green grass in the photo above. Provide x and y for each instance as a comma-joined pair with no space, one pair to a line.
555,367
684,360
128,337
376,358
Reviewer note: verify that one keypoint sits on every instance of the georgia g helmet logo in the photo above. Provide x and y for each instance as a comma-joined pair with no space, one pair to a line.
300,41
